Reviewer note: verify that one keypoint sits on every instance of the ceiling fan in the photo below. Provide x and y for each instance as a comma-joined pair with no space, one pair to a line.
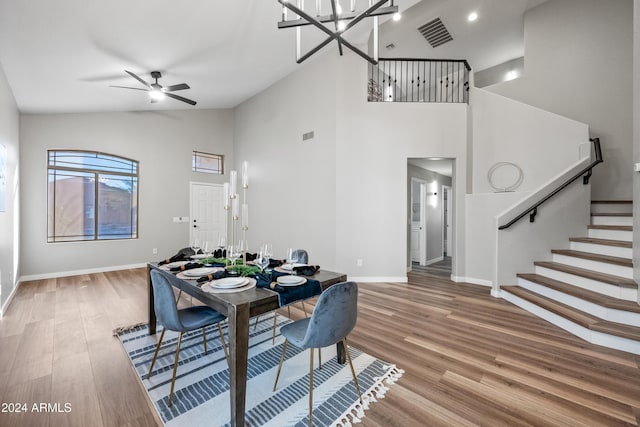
157,92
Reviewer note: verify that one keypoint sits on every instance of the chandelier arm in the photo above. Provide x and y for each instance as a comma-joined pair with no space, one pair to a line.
314,50
308,17
364,14
335,22
358,51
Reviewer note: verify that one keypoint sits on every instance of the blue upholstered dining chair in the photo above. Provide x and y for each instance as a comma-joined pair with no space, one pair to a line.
183,320
301,256
333,318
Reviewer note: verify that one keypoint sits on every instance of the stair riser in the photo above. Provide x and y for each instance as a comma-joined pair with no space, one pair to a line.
627,294
601,267
611,208
613,315
611,220
595,248
626,236
573,328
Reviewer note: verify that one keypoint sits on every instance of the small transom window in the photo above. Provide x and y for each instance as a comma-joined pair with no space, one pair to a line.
207,162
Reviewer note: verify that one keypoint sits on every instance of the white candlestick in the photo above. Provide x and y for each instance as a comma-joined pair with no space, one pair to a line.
245,216
226,195
234,208
233,181
245,175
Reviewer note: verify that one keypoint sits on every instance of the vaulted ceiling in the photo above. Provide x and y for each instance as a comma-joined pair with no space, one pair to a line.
62,55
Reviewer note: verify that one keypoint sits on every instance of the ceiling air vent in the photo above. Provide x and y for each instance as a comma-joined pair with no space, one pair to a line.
435,32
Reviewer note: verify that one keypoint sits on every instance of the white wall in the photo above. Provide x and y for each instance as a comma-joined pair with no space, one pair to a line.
543,144
292,189
578,63
10,218
480,243
161,141
341,195
374,141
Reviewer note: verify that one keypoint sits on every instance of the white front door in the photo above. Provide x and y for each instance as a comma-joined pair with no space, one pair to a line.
448,220
207,216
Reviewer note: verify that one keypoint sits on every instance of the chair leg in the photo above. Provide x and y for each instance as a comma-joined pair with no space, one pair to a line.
275,317
204,339
319,358
256,324
224,345
310,387
284,350
179,295
353,372
305,310
175,369
155,355
289,311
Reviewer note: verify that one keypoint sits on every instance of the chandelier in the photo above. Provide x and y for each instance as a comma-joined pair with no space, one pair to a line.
339,22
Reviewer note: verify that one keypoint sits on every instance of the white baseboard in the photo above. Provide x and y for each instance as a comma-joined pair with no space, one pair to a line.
5,306
471,280
373,279
78,272
434,260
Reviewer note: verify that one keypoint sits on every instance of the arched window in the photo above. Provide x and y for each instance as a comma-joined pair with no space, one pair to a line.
91,196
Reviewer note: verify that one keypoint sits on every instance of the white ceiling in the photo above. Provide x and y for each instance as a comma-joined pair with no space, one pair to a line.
62,55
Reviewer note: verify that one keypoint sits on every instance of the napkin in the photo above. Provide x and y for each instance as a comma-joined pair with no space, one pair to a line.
220,253
176,257
273,263
215,276
306,270
187,266
288,294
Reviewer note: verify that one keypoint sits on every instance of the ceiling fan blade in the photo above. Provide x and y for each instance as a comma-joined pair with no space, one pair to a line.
173,88
138,79
127,87
180,98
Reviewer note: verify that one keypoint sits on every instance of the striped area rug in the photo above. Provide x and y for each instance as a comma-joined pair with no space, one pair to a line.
201,396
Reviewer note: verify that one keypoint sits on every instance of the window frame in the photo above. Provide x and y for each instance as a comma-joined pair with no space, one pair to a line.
97,172
195,154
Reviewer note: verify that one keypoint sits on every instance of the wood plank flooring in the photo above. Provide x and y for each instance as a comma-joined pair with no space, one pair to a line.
469,359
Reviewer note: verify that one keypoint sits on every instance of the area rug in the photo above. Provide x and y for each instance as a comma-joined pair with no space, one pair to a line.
201,396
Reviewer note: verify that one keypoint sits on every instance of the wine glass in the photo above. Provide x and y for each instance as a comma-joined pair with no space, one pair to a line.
207,248
195,246
260,260
230,254
267,253
292,257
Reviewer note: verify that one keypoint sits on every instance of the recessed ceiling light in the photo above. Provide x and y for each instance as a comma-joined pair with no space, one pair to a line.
513,74
472,16
397,16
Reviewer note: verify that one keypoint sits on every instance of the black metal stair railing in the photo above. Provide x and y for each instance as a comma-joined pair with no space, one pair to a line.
419,80
585,173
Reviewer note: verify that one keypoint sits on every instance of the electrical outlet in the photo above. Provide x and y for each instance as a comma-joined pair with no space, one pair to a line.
155,251
359,262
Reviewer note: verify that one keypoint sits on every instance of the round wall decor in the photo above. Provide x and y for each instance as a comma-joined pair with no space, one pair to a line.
505,176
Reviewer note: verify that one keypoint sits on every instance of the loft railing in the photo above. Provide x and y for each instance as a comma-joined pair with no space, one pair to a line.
419,80
585,173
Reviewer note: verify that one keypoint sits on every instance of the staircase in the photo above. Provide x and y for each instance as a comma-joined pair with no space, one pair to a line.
588,289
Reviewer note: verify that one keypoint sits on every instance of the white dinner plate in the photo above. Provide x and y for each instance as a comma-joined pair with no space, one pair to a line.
197,272
229,282
200,256
176,264
290,266
290,280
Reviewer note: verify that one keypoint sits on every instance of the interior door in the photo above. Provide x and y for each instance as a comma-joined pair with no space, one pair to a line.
207,215
418,222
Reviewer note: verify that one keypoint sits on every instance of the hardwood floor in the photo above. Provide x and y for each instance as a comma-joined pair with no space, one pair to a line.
469,359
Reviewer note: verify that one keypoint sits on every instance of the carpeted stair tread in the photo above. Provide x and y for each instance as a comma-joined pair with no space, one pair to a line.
611,227
625,262
589,274
584,294
604,242
574,315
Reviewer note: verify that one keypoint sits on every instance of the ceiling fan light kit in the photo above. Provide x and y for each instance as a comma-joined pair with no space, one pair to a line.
157,92
339,19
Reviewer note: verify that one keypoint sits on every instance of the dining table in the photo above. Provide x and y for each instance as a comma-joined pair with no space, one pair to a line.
239,307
